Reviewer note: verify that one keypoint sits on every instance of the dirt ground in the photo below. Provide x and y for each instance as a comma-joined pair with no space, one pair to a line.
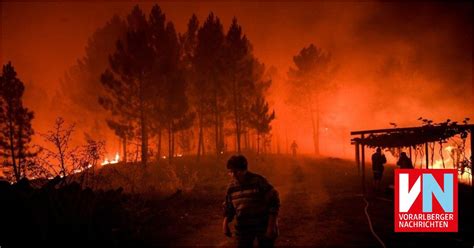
321,205
302,195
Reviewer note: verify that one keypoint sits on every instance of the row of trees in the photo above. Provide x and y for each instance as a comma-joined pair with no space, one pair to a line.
157,84
216,79
160,83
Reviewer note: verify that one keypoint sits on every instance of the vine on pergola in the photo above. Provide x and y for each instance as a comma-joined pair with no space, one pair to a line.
412,137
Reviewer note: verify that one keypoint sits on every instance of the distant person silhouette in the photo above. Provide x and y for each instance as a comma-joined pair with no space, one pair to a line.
404,161
378,161
294,147
254,204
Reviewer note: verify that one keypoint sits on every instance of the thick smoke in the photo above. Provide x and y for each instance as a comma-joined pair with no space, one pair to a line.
396,61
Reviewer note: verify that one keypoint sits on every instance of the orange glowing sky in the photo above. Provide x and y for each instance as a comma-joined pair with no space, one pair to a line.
432,42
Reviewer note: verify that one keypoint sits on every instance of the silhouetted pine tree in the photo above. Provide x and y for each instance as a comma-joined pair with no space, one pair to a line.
309,78
240,84
176,110
189,42
159,43
260,119
259,86
130,91
209,84
15,124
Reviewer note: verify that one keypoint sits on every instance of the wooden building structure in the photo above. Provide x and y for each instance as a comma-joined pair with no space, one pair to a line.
410,137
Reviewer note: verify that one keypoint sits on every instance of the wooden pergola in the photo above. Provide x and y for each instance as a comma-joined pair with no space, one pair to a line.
407,138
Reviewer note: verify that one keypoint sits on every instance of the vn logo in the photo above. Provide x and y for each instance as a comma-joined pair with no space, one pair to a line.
426,200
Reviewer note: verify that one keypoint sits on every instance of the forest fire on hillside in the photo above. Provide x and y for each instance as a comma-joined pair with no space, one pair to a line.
120,119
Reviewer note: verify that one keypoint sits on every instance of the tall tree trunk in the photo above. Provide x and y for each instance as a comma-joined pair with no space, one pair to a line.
243,138
314,123
170,150
198,154
21,156
143,122
137,151
203,144
12,147
222,144
159,144
172,144
124,147
216,120
236,113
247,138
316,136
237,136
258,143
200,136
201,150
144,138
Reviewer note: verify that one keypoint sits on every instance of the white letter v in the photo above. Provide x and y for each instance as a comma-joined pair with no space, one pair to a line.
407,197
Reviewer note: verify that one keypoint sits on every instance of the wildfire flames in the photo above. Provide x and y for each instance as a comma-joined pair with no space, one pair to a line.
111,161
450,163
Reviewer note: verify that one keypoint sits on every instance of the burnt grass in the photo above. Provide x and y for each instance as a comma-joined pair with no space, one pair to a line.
127,206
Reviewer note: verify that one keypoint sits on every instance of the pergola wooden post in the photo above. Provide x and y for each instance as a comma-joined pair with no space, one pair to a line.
357,157
363,164
427,158
472,151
